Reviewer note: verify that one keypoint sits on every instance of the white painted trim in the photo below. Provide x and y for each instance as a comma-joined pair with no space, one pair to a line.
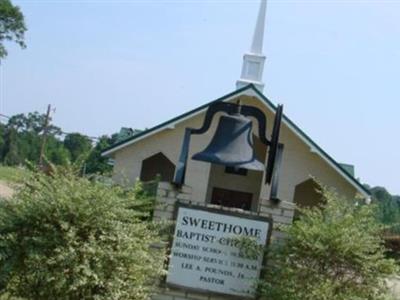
312,147
171,125
249,92
317,151
167,126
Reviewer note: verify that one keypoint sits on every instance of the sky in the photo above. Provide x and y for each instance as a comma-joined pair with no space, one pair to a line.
335,65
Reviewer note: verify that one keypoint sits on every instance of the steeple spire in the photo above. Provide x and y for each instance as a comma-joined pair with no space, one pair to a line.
253,62
258,37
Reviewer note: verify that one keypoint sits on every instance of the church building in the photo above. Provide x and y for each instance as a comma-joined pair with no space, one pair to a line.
155,151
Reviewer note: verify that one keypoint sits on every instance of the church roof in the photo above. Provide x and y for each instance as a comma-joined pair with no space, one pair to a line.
245,90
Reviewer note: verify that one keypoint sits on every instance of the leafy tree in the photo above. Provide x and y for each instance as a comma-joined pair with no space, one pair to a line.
12,26
78,145
331,253
65,237
56,152
125,133
96,163
2,142
23,138
388,213
11,155
33,122
396,198
388,208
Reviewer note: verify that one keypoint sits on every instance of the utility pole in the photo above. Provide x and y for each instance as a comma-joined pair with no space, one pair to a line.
44,137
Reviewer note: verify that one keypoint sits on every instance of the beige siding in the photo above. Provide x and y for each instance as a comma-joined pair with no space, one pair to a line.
250,183
299,162
128,160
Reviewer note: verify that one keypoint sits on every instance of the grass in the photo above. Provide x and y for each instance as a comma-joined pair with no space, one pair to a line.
12,174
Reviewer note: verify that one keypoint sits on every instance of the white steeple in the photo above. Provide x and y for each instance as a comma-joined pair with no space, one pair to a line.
253,62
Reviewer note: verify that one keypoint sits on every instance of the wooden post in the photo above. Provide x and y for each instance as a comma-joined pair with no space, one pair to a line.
44,137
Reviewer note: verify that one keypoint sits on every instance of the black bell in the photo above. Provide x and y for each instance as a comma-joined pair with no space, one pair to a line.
232,145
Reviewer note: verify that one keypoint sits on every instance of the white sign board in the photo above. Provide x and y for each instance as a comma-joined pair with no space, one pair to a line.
205,255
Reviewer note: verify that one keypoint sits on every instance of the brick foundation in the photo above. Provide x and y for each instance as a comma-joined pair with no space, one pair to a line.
167,195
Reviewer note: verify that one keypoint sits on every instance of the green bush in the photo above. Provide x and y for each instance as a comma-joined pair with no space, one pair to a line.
66,237
331,253
12,174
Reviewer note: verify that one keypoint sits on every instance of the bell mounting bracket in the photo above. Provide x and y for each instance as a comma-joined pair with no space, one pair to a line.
275,148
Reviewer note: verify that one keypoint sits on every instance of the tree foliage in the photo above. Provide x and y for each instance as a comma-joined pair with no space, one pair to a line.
388,212
65,237
331,253
96,163
78,146
12,26
21,138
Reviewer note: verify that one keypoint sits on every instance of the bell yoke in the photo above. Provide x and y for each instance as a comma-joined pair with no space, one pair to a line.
232,143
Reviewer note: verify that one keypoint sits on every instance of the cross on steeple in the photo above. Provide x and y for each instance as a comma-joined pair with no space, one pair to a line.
253,62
